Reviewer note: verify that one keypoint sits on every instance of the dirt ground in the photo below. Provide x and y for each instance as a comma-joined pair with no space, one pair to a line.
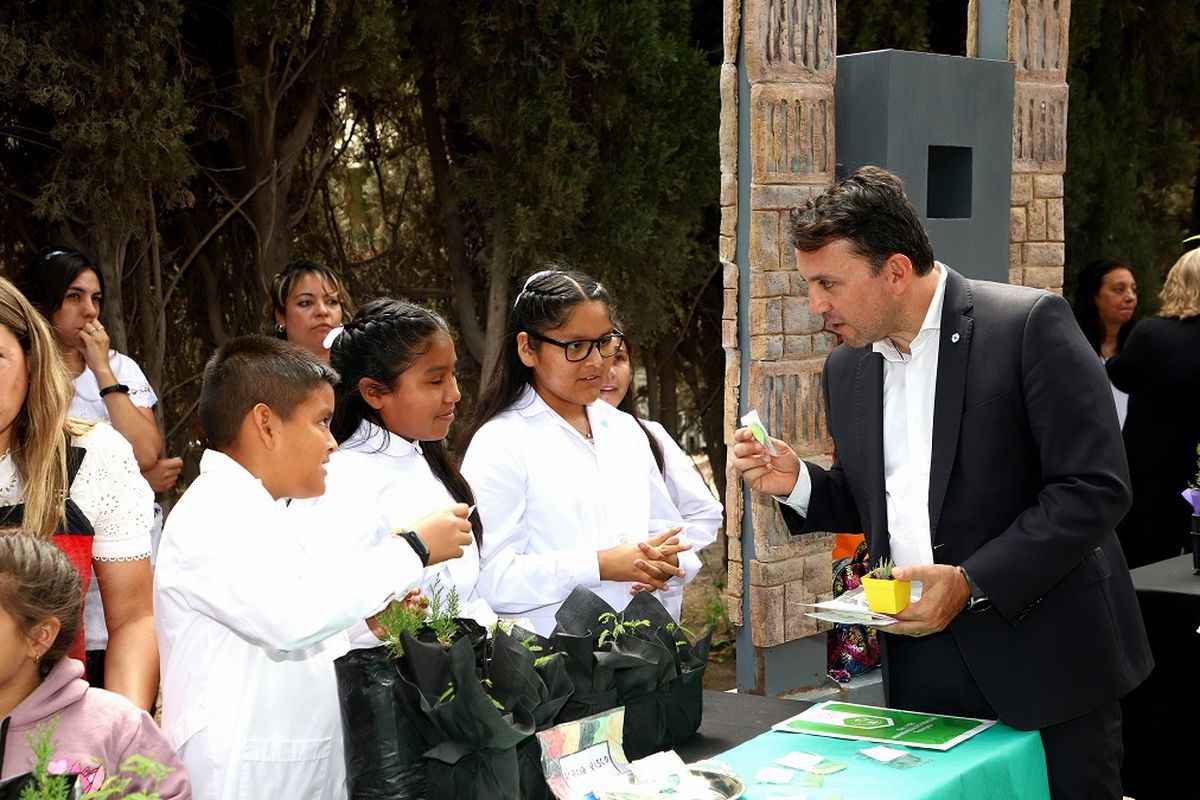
702,609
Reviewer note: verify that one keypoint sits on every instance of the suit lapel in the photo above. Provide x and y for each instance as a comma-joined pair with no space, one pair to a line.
953,354
868,408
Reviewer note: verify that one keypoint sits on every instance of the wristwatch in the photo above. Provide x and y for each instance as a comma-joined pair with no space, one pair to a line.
414,541
978,601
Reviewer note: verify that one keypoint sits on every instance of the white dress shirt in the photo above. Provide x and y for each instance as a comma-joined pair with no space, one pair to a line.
702,514
250,616
909,382
388,475
550,500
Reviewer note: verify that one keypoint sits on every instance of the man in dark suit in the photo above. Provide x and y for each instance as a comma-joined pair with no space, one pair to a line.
977,446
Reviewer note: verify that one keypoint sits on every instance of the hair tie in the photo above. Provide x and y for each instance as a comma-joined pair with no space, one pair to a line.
332,336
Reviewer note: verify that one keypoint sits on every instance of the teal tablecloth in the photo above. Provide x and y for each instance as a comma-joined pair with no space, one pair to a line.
998,763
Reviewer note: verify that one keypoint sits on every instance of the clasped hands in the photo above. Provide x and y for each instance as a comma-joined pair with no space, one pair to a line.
648,564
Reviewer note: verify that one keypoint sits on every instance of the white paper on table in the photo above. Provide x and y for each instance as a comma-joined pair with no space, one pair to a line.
851,608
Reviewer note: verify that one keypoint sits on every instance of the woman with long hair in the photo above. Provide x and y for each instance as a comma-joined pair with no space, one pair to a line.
1105,299
109,386
1160,369
393,406
568,489
78,484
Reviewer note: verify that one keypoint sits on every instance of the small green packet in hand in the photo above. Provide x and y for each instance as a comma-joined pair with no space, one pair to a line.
758,430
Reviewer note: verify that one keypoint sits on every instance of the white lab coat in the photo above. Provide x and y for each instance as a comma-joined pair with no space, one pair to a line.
550,500
702,514
250,617
389,476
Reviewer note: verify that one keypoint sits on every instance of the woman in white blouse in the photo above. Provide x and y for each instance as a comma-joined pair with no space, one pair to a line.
394,403
78,484
568,489
108,386
701,512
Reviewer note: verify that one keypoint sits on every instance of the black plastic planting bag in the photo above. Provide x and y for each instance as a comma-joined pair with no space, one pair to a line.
680,698
478,755
466,628
383,746
519,680
648,667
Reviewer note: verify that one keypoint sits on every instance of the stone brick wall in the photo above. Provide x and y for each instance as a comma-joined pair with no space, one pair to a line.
1037,44
790,61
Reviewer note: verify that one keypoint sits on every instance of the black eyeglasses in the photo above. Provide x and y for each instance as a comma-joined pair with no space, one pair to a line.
580,349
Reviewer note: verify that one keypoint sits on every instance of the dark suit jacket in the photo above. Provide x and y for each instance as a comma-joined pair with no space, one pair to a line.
1028,479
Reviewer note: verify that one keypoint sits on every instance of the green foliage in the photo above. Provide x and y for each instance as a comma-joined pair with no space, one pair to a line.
1133,137
145,771
44,786
398,618
883,570
864,25
139,769
443,610
615,627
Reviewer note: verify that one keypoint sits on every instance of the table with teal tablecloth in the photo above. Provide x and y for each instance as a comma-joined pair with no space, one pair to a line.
998,763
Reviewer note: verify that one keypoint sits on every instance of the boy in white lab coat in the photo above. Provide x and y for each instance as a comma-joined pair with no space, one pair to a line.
249,614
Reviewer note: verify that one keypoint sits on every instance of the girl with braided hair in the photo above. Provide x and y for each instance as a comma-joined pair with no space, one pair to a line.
94,730
393,406
568,488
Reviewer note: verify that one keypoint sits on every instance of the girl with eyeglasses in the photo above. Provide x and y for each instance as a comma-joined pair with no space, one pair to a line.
568,489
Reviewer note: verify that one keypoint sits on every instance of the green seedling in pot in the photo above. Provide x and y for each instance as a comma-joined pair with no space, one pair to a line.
615,628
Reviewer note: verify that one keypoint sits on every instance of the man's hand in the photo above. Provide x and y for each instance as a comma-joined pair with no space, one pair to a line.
944,593
775,475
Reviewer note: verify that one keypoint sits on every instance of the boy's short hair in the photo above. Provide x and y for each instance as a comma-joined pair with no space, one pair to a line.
255,369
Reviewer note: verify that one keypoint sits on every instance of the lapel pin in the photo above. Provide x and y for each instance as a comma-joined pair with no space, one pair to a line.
954,338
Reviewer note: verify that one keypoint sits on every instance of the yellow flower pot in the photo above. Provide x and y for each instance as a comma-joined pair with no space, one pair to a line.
887,596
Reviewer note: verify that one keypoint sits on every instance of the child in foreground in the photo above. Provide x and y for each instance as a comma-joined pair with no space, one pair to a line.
250,613
94,730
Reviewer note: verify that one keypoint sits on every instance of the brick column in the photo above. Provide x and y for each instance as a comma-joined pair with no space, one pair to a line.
789,59
1037,44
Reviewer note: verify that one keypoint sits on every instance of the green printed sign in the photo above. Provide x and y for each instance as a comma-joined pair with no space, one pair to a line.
887,725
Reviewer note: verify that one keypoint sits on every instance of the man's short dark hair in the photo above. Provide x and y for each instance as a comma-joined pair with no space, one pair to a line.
869,210
250,370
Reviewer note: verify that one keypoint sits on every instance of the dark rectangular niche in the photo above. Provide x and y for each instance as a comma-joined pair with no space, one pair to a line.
949,193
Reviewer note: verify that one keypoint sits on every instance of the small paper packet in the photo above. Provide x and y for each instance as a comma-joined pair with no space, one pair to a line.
752,421
774,775
891,757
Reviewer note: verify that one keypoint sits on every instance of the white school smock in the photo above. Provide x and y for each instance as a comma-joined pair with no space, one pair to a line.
249,620
550,500
389,476
702,514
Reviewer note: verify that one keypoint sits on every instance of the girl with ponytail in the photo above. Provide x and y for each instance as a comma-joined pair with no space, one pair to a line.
393,406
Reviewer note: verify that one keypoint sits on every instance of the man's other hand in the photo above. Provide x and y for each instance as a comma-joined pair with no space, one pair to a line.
944,594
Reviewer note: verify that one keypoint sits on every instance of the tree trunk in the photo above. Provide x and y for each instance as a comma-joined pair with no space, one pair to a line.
478,343
108,250
498,308
668,403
